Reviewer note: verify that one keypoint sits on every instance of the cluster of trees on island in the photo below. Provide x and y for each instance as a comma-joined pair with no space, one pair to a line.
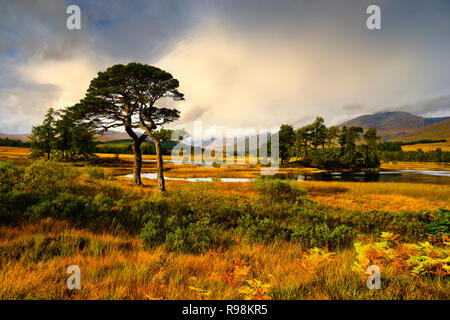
389,154
333,147
14,143
319,146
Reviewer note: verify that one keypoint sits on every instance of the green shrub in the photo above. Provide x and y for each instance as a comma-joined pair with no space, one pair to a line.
277,190
440,224
313,213
64,206
95,173
198,202
49,177
255,229
10,175
195,238
154,230
103,202
150,209
410,225
14,204
321,235
188,219
152,234
197,217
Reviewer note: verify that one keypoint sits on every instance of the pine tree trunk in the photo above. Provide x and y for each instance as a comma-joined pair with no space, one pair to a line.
159,163
137,167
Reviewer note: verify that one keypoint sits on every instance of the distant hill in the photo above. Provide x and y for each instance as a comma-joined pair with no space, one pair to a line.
112,135
20,136
392,125
435,131
107,136
126,142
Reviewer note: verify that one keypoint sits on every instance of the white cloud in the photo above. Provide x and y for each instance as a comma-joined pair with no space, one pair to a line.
240,65
71,77
40,84
263,82
24,107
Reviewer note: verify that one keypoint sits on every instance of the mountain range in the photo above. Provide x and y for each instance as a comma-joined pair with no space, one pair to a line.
20,136
435,131
391,126
397,125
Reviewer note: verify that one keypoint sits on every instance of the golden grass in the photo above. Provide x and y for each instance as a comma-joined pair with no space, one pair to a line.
283,269
348,195
13,152
439,166
379,196
445,146
18,155
117,267
363,196
130,156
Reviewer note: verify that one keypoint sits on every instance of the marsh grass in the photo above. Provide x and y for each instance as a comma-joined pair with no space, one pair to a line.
285,269
219,241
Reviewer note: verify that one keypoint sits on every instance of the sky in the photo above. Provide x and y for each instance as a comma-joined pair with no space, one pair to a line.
247,64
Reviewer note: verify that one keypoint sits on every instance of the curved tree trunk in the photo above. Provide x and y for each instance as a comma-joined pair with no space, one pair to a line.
137,167
159,163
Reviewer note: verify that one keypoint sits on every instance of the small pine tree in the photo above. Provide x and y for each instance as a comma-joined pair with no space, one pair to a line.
43,137
371,151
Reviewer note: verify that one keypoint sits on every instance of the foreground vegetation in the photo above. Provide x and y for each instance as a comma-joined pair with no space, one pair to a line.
270,239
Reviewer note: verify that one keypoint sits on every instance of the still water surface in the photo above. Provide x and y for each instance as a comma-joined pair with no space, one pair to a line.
412,176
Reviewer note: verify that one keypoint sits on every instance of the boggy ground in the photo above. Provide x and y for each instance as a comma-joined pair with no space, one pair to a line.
276,240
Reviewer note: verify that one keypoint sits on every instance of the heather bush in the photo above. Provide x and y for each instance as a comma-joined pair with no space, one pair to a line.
257,229
95,173
10,175
49,177
440,225
278,190
312,235
197,217
194,238
13,205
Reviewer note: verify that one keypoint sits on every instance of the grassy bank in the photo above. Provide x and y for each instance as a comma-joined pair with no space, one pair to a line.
269,239
118,268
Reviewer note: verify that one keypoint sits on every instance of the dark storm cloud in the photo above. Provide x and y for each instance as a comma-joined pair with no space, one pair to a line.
35,29
138,29
132,29
121,29
324,41
439,106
